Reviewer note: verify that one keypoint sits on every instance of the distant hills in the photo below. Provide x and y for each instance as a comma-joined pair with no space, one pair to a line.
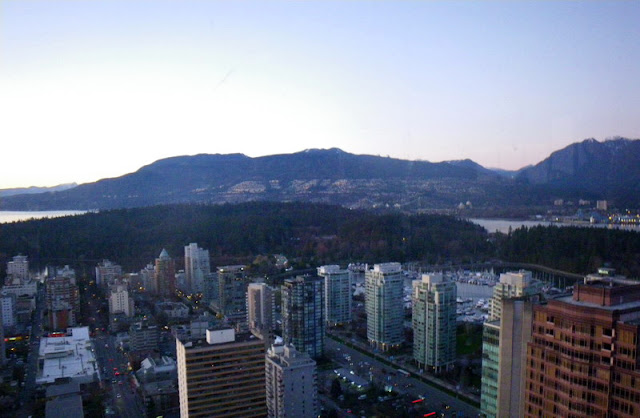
590,169
35,190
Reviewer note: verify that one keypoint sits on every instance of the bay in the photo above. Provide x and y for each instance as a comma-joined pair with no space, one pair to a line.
7,216
503,225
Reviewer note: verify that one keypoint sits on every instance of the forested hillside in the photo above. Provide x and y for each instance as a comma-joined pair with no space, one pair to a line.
573,249
311,233
308,234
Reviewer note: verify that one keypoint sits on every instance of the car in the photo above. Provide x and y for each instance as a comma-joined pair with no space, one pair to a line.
119,395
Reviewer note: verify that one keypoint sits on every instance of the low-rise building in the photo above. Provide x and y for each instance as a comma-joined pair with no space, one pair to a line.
67,354
143,337
173,310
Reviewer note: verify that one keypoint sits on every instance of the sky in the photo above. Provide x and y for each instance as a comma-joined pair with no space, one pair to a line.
97,89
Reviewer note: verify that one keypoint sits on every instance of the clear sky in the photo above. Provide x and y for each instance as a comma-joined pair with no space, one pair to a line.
95,89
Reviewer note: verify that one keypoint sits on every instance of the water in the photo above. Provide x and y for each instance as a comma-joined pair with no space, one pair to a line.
502,225
466,290
16,216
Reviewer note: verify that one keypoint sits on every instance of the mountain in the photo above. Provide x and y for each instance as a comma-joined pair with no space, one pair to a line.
601,170
34,189
317,175
586,170
472,165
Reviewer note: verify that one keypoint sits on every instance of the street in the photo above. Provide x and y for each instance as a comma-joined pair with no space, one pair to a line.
383,374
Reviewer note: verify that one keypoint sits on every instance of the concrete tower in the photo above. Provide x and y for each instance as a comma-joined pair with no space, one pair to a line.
292,388
434,322
197,266
260,311
385,310
165,275
337,290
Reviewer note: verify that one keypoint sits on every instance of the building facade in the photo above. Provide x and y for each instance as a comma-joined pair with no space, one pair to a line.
62,301
261,311
434,322
496,397
337,290
18,268
383,303
143,337
120,302
490,368
303,323
582,359
515,334
292,384
231,299
165,275
512,284
197,266
223,376
8,307
107,273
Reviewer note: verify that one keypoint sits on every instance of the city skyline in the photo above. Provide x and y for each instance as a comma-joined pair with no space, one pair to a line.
94,90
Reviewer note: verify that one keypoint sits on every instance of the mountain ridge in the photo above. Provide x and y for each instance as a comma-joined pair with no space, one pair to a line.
598,170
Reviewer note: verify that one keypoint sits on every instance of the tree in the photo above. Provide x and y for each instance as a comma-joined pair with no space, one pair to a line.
336,388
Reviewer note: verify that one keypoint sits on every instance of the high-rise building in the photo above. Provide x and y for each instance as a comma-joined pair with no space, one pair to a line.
490,368
303,323
223,376
18,268
210,290
196,267
260,311
292,388
383,303
165,275
512,284
499,393
514,334
8,307
582,360
107,273
434,322
62,301
119,301
3,356
337,291
148,278
232,292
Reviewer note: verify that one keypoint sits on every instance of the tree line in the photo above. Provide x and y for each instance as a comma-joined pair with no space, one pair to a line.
309,234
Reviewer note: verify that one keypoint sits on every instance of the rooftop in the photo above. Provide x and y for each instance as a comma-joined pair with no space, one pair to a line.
65,389
67,407
618,307
68,355
351,377
219,336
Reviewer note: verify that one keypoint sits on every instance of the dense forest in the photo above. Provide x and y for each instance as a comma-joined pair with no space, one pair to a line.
573,249
308,234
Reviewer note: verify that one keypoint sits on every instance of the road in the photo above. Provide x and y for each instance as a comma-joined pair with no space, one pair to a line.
116,378
26,394
433,397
